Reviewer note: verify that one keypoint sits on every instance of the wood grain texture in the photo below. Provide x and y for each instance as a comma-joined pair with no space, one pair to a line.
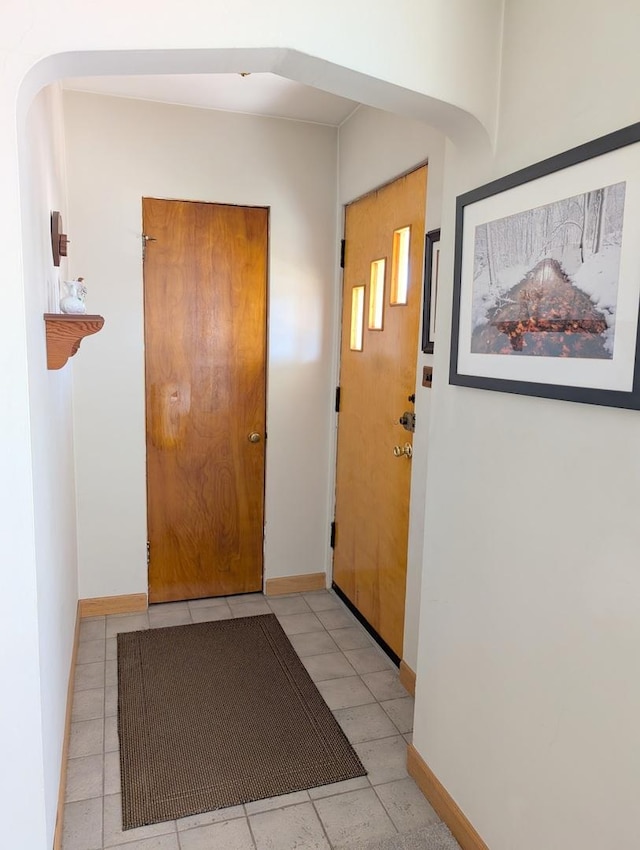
205,296
444,804
62,787
372,486
98,606
295,584
64,334
407,678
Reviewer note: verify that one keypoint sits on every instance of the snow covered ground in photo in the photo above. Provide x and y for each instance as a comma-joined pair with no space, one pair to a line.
582,233
598,277
487,296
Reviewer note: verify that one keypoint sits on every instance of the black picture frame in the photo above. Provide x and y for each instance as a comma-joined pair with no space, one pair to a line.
491,324
430,295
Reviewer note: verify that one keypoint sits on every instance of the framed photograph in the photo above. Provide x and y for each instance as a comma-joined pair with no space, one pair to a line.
547,278
431,268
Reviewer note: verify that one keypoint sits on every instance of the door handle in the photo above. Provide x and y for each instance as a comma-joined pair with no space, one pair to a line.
254,437
403,451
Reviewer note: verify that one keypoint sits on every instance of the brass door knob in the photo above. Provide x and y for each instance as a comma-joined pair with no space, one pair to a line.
254,437
403,451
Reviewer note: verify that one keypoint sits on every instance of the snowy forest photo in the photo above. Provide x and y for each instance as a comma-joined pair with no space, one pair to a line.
545,281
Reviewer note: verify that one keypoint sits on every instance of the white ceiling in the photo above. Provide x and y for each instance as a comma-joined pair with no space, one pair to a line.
256,94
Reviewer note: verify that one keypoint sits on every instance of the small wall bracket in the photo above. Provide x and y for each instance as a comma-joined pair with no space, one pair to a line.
65,333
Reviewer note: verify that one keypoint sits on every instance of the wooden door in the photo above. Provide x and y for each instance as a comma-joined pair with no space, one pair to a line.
377,377
205,290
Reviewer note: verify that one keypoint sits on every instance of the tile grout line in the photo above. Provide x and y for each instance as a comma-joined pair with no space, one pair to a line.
322,826
251,833
379,798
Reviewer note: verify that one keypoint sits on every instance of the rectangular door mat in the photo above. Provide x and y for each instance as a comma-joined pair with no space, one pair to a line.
217,714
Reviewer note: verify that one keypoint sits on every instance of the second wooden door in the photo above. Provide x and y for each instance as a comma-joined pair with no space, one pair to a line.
384,235
205,290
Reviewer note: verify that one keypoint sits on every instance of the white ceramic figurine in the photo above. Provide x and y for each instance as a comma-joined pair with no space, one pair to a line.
73,302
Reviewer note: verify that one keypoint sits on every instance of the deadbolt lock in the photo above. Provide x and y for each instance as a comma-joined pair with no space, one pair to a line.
408,421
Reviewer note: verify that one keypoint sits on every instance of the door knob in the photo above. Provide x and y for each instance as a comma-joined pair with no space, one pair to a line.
254,437
403,451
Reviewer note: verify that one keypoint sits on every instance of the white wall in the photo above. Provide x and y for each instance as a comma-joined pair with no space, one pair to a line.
119,151
377,146
528,696
52,442
374,147
419,70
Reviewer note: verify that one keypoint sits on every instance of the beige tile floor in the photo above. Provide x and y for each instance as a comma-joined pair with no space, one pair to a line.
356,679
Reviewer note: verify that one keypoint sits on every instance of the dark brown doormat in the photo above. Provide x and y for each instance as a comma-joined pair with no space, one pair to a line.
216,714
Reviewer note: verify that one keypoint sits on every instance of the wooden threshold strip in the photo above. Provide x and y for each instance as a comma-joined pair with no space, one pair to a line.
407,678
131,603
444,804
295,584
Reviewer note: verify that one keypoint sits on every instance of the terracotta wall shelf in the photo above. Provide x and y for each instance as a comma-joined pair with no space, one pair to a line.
65,333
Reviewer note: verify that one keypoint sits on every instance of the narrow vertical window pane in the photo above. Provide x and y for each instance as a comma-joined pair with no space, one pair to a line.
357,318
400,265
376,294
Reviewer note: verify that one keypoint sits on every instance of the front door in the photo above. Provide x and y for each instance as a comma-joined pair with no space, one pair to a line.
205,291
384,238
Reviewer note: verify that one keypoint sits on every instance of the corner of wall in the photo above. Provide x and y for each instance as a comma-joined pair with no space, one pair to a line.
43,188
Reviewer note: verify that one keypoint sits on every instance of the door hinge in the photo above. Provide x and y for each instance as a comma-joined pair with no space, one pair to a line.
332,539
148,552
337,399
343,248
